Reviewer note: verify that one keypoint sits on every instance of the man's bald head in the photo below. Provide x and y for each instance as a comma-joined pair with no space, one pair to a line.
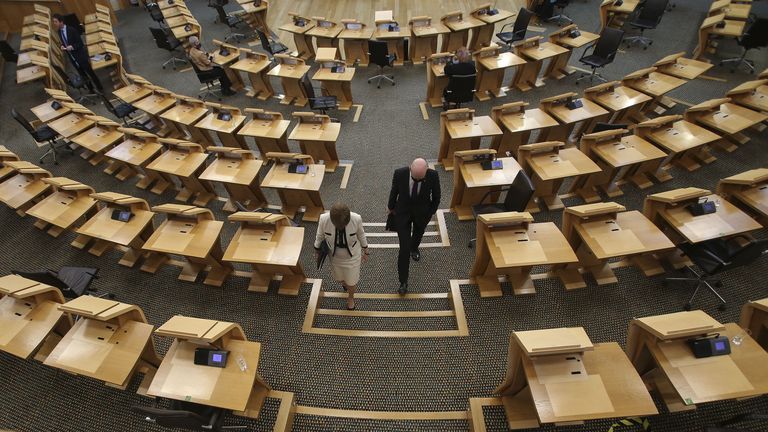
419,168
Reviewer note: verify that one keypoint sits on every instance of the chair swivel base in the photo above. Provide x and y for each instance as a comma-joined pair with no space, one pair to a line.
173,61
560,19
645,42
380,77
210,90
738,62
701,280
591,77
53,150
238,37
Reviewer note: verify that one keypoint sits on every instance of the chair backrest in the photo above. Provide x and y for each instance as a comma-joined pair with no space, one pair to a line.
307,84
7,51
653,10
108,105
265,42
379,53
600,127
203,76
609,43
756,34
220,11
22,121
519,193
155,12
522,21
161,38
173,418
460,88
748,253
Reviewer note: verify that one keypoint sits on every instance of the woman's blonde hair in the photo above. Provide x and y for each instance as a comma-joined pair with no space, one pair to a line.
463,55
340,215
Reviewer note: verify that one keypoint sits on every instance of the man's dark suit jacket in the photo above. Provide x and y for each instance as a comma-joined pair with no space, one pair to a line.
79,52
420,209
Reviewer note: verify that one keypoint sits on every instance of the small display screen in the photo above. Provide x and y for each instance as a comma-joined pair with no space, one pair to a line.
497,164
301,169
217,358
719,346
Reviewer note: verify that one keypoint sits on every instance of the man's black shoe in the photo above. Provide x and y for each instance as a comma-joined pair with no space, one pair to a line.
416,255
403,288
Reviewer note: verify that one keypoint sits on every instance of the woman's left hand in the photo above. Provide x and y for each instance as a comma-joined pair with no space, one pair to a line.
365,258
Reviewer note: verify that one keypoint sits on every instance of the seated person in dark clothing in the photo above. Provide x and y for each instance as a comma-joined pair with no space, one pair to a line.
203,61
461,67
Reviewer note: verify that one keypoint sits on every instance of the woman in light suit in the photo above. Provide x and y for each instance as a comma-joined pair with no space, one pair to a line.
344,234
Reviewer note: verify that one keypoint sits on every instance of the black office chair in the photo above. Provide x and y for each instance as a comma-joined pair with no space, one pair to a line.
121,110
156,13
518,196
600,127
603,53
317,103
209,79
43,135
186,415
378,53
271,46
232,21
169,43
519,28
648,18
9,54
716,256
723,426
560,18
460,89
755,36
72,281
78,83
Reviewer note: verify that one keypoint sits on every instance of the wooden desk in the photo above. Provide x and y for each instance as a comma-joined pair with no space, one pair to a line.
131,157
727,119
423,41
654,84
489,16
669,209
191,232
460,129
511,244
32,73
183,161
30,317
290,70
268,129
271,246
355,37
389,31
132,92
45,112
238,171
317,137
459,24
72,124
619,156
296,190
181,119
256,14
299,26
732,9
709,30
558,66
678,66
534,51
517,123
325,33
751,94
539,386
98,139
624,103
338,84
6,156
658,348
237,386
613,15
472,183
255,65
108,233
754,319
155,104
750,189
572,121
109,342
225,56
68,202
492,65
548,164
436,79
23,188
225,130
685,143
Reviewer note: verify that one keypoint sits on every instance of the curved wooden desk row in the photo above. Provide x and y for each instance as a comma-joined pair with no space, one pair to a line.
559,376
266,241
725,19
111,341
38,49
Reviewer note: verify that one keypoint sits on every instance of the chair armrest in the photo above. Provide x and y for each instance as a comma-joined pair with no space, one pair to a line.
584,53
487,194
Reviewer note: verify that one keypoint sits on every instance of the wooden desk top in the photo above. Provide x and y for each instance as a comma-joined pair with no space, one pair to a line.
181,33
289,71
325,74
755,197
656,84
101,350
20,189
223,60
539,244
552,341
434,29
678,325
98,138
228,387
682,136
728,220
543,51
70,124
608,385
627,7
293,28
386,34
732,118
755,98
26,324
748,178
62,208
467,22
231,170
199,329
326,132
567,162
530,119
478,126
278,177
364,33
251,64
103,227
212,123
684,68
325,54
185,236
132,92
568,116
630,233
325,32
134,152
12,283
156,103
620,98
178,163
577,42
737,375
631,149
475,176
31,73
265,128
185,114
733,28
264,245
501,15
501,61
45,113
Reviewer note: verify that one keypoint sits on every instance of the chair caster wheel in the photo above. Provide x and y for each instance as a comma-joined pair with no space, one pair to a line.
722,307
378,86
719,284
393,84
469,245
163,67
687,306
664,283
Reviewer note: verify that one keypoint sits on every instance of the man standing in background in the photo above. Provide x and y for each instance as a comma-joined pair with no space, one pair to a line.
73,46
414,198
